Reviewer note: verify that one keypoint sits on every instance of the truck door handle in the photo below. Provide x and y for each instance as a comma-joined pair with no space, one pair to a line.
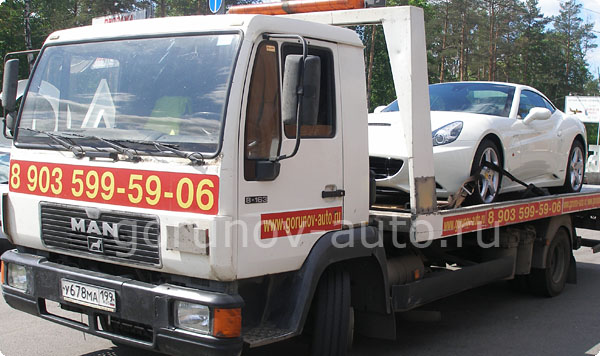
333,193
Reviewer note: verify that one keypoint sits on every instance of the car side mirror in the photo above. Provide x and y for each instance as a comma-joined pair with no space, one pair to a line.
379,109
537,114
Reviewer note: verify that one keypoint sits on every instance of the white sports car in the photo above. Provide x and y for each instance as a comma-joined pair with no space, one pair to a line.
513,126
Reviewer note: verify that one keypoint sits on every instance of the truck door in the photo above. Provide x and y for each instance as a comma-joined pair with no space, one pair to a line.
280,219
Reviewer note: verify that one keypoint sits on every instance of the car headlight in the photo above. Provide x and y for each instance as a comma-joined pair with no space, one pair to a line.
447,133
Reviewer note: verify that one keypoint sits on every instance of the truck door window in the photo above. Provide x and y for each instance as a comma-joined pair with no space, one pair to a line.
262,134
325,125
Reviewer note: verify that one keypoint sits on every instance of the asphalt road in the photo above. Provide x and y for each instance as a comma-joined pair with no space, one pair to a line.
491,320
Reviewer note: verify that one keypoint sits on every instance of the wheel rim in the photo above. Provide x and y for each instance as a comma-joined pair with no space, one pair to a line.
490,179
576,168
557,265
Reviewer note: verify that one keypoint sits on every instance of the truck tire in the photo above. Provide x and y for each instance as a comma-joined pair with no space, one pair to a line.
550,281
334,317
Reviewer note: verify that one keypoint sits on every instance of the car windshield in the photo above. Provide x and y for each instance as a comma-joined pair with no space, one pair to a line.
170,90
478,98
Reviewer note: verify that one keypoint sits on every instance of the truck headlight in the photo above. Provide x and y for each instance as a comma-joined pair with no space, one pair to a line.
192,317
447,133
16,276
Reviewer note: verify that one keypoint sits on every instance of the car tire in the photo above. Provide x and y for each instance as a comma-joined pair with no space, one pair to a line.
550,281
575,170
487,187
333,327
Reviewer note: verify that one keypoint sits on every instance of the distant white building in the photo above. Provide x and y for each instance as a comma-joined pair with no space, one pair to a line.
587,109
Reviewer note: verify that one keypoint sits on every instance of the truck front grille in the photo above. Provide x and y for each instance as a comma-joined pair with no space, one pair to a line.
102,233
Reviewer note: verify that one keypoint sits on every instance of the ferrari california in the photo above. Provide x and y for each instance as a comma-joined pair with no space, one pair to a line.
513,126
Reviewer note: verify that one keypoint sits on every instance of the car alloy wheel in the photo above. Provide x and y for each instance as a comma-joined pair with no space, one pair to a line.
489,181
576,166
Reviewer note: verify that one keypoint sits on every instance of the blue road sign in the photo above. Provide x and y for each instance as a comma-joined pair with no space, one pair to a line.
215,5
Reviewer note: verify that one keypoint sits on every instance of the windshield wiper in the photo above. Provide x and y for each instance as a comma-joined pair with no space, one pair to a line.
131,154
194,157
77,150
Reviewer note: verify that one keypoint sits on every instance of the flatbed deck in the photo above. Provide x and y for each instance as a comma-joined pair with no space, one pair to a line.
450,222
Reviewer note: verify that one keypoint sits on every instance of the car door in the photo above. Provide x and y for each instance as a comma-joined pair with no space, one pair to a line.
283,217
537,140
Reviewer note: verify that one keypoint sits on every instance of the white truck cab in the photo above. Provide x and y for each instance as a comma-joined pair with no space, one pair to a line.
171,119
167,148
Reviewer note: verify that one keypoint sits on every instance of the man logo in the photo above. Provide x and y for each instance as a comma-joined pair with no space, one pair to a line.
95,244
94,227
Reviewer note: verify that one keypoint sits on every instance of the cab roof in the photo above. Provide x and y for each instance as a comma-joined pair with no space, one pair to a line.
251,25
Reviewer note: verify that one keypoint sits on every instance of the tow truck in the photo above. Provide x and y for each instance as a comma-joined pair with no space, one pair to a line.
201,185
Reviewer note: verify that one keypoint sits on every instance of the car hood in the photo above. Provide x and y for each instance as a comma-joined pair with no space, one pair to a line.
387,130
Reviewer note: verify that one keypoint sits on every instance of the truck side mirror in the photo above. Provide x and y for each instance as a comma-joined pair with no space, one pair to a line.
9,93
266,170
301,92
305,88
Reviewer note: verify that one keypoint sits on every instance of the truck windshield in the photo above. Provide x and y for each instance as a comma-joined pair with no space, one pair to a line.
167,90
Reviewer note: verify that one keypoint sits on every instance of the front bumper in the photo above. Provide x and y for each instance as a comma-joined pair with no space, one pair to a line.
138,303
452,165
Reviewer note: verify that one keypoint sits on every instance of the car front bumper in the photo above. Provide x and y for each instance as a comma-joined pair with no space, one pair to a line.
138,303
452,165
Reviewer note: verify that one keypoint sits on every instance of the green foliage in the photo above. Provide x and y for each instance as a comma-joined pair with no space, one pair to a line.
47,16
592,133
499,40
502,40
11,28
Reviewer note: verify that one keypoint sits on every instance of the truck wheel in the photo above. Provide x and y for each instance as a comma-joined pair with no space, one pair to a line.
334,318
550,281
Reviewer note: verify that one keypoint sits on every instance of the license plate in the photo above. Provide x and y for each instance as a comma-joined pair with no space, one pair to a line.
88,295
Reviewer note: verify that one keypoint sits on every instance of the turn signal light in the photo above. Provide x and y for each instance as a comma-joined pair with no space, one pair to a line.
227,322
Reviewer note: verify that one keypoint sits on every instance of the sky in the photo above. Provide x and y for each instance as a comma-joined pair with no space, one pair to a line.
590,13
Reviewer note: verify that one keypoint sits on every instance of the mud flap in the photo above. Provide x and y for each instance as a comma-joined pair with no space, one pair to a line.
572,276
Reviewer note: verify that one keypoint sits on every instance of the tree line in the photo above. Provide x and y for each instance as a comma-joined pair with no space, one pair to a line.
497,40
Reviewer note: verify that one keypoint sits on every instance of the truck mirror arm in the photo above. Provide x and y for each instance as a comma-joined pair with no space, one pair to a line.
299,91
